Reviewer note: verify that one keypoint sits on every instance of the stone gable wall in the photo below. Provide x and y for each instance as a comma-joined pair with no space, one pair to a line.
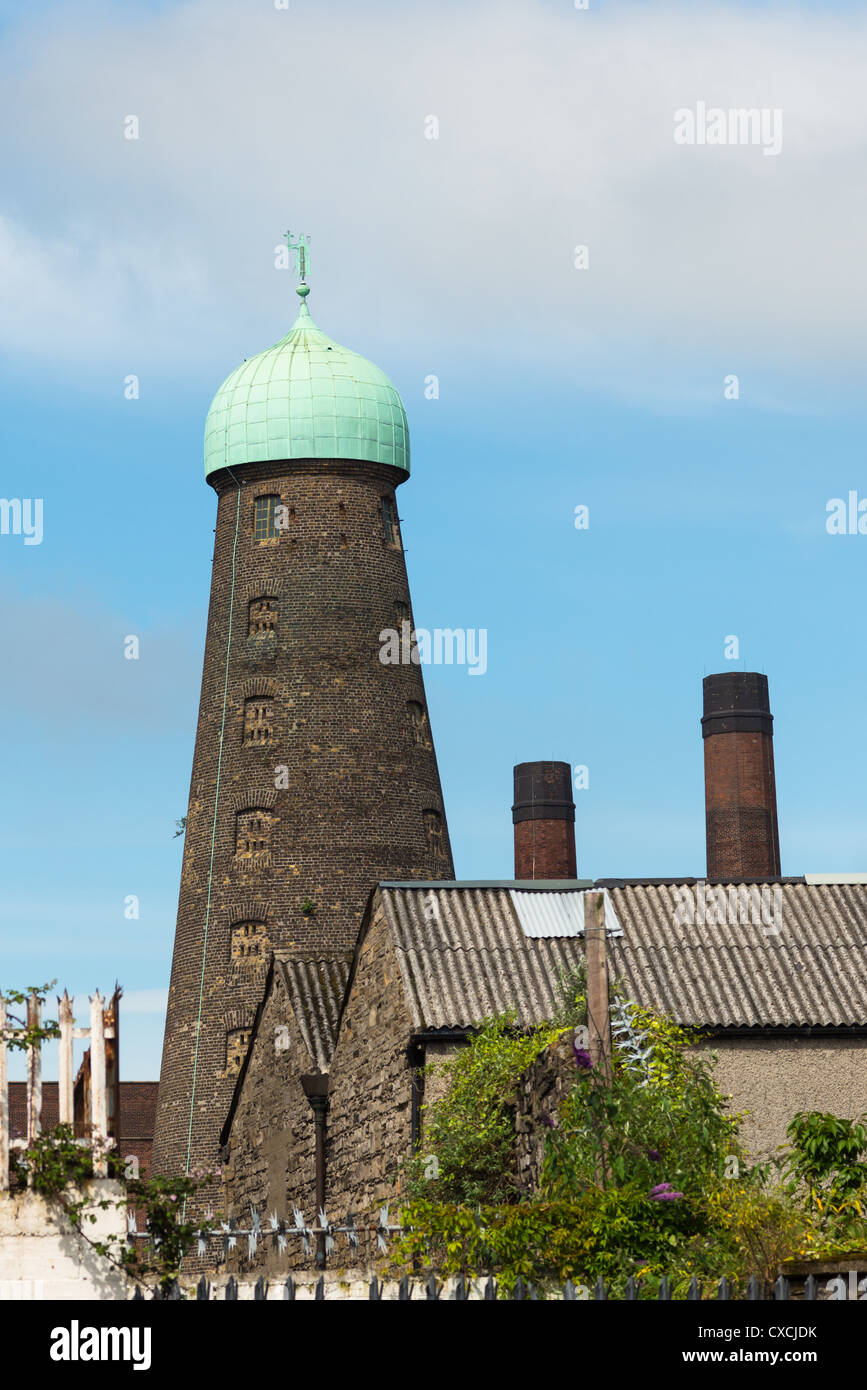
270,1165
369,1118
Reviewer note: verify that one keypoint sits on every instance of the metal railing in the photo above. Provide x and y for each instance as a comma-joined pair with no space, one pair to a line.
461,1289
321,1239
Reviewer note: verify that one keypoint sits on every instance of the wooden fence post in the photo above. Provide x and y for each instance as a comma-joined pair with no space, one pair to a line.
598,1021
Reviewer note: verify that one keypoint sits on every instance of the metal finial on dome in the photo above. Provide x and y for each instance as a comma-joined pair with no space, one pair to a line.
302,260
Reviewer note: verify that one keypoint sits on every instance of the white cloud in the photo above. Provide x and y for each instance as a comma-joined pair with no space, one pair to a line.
555,129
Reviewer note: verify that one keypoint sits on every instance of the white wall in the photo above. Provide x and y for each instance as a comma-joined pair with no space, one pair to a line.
41,1256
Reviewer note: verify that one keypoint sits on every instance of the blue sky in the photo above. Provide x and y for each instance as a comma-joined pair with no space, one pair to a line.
558,387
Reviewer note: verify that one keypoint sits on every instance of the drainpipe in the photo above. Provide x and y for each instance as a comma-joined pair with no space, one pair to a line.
415,1057
315,1086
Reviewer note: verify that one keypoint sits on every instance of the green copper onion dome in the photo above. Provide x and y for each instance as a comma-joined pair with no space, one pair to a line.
306,397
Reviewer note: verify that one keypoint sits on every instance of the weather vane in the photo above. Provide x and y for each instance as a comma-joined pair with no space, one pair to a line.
302,254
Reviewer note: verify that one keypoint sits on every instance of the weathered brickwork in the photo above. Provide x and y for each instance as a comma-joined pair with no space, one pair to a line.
544,820
545,849
325,786
741,806
138,1109
542,1088
740,793
269,1159
370,1095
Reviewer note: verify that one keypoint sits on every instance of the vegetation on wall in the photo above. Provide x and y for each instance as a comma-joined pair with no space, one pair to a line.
469,1153
643,1175
59,1167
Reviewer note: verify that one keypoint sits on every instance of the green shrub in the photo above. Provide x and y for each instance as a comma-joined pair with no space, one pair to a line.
660,1118
611,1232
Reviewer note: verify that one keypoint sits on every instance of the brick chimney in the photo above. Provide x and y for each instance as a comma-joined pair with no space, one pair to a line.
740,793
544,819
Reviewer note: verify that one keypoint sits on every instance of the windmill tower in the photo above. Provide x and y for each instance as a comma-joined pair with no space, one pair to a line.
314,772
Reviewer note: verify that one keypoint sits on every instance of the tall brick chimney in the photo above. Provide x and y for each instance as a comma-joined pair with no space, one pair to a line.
740,793
544,819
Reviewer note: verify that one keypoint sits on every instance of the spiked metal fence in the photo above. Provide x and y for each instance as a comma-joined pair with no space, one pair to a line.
320,1241
279,1231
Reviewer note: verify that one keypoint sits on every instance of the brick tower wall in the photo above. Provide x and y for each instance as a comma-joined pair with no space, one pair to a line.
740,792
359,799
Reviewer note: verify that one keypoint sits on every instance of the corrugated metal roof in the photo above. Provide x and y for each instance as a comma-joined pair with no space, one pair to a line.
558,914
315,987
836,878
464,956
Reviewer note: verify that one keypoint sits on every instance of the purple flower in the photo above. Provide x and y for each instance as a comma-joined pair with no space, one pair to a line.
548,1120
654,1155
663,1193
582,1057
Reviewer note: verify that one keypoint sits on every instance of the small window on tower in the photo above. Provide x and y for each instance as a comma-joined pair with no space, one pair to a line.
263,617
248,941
433,832
418,723
389,521
237,1043
265,518
258,722
253,832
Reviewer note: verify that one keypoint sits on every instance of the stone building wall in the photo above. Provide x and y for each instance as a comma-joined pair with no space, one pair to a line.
269,1165
540,1091
436,1082
370,1101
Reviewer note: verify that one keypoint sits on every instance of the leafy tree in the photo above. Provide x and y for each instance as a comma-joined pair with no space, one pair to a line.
632,1163
828,1153
25,1036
